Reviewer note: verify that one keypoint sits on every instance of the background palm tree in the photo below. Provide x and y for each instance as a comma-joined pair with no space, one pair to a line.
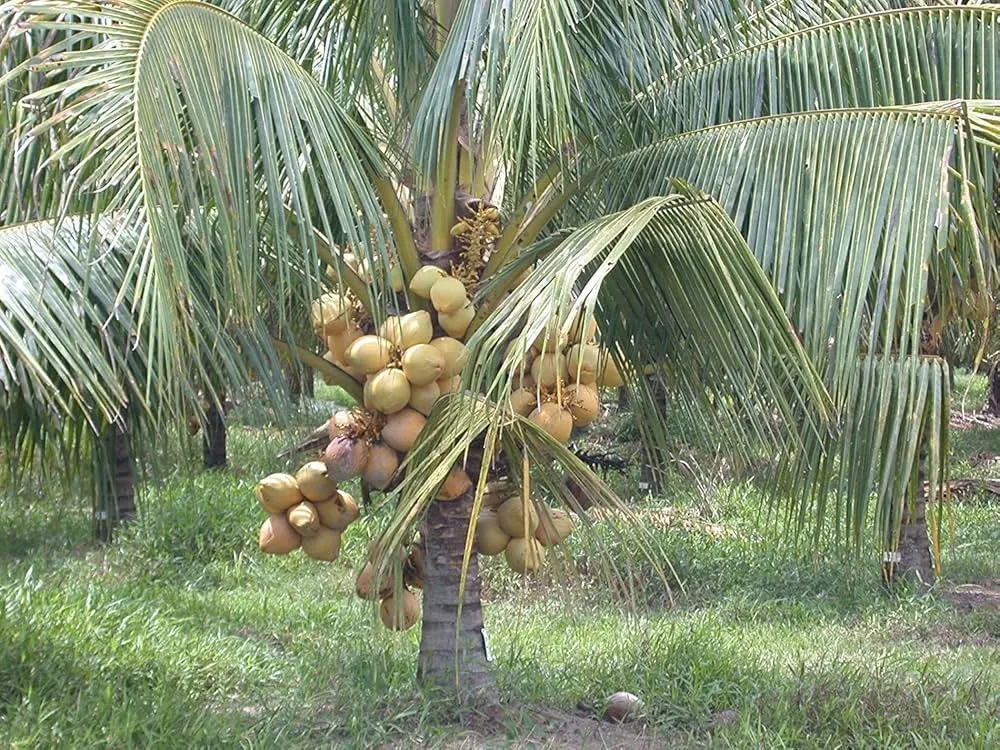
849,146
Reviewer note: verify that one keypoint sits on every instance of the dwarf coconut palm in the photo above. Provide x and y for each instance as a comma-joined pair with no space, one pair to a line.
481,179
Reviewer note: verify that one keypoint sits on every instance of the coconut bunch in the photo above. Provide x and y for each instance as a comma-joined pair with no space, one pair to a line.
519,531
397,610
449,297
306,510
557,385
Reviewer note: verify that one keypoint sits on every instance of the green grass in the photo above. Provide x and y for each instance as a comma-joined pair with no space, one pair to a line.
182,635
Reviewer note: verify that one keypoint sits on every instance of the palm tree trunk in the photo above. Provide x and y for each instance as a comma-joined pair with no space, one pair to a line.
911,560
117,483
993,394
454,662
213,441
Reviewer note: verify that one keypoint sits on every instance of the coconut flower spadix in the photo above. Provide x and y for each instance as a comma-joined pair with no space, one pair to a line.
524,555
323,545
401,429
408,330
423,364
314,483
424,279
387,391
454,353
369,353
554,419
448,295
277,537
345,458
399,612
490,538
338,512
278,492
382,464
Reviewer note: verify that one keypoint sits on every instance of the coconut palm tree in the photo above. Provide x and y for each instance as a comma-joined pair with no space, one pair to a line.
694,175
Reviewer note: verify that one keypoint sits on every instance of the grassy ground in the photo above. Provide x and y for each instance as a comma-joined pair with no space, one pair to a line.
182,635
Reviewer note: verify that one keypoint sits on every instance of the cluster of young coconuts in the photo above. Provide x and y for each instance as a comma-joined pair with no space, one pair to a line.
405,368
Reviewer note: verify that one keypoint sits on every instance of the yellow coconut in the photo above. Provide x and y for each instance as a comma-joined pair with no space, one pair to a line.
369,353
396,278
424,279
314,482
277,537
490,538
382,464
554,419
423,364
387,391
337,343
554,526
582,362
401,429
340,422
363,584
524,555
610,377
449,385
583,402
278,492
454,352
345,458
510,516
448,295
549,340
330,313
408,330
338,512
457,323
422,397
399,612
582,330
523,402
549,368
323,545
304,518
456,484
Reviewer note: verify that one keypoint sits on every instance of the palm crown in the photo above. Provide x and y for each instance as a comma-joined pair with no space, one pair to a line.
694,175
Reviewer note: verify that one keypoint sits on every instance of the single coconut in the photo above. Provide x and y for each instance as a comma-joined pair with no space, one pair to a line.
277,537
387,391
457,323
547,369
338,343
375,550
496,494
382,464
323,545
408,330
369,353
399,612
304,518
345,458
422,397
554,419
610,377
549,340
338,512
314,483
449,385
582,361
330,314
582,330
510,516
456,484
413,568
454,353
524,555
278,492
584,404
340,423
490,538
448,295
363,584
401,429
554,525
523,402
423,364
621,707
424,279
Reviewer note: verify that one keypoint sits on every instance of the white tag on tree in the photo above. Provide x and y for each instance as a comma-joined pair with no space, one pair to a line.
486,645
